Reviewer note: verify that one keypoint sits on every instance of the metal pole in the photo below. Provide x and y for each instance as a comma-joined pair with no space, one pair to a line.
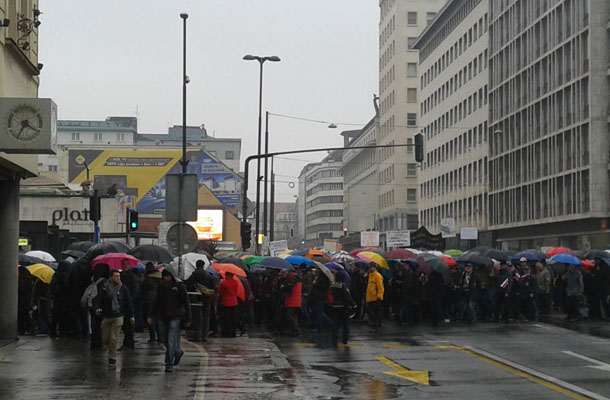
258,164
184,17
272,210
265,204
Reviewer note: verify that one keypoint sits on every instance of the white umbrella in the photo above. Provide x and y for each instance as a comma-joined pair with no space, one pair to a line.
324,270
435,253
43,255
189,262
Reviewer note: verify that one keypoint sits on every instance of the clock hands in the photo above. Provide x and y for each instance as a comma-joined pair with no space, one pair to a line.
26,124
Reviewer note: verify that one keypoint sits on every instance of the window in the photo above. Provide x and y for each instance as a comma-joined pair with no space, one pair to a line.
411,195
411,18
411,170
411,42
411,119
411,95
430,17
120,137
75,135
229,155
412,69
97,136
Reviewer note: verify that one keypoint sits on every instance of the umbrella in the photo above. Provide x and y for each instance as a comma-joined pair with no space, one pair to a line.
588,264
370,257
400,254
488,252
73,253
448,260
43,255
189,263
235,261
430,262
339,269
252,260
595,253
531,257
151,252
298,260
435,253
324,269
42,272
565,259
24,260
343,257
556,250
110,246
474,258
453,252
222,268
276,262
114,260
311,253
81,246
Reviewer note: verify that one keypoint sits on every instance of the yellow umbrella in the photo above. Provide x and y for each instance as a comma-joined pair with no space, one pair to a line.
42,272
287,252
369,256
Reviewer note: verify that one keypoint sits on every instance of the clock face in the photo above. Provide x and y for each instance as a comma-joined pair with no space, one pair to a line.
24,123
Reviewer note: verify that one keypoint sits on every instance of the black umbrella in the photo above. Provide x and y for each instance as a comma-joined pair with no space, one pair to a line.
81,246
151,252
73,253
474,258
110,246
429,262
24,260
596,253
488,252
235,261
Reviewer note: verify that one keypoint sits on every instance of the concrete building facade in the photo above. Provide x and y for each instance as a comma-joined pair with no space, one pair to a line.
453,112
400,23
322,197
549,103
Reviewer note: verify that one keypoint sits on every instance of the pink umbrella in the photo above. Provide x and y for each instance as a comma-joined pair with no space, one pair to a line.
114,260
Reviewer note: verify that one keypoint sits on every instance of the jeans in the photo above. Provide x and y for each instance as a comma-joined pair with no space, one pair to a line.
169,331
111,327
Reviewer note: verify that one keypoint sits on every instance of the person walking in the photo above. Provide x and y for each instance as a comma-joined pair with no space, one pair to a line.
148,290
227,292
543,280
114,304
341,308
171,304
202,282
374,297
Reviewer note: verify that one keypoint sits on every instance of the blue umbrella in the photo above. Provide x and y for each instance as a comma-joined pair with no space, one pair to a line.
565,258
529,256
276,262
340,270
298,260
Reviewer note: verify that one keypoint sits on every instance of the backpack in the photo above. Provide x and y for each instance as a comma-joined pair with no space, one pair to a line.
90,293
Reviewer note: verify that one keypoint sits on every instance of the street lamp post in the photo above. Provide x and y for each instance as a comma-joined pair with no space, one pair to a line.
261,61
185,81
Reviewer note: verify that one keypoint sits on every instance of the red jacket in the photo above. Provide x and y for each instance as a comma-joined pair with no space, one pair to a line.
227,290
293,299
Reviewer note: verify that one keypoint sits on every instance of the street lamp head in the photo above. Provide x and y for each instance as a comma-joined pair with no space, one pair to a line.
332,126
273,58
249,57
184,15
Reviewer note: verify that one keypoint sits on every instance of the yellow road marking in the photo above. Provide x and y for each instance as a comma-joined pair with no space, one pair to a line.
517,372
395,345
422,377
351,345
305,344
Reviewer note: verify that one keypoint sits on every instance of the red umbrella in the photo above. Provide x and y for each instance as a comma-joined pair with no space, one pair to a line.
222,268
588,264
114,260
553,251
400,254
448,260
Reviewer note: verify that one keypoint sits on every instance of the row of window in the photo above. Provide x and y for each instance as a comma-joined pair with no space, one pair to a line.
324,228
453,149
452,85
325,200
457,113
557,110
324,173
97,137
387,31
364,161
458,47
471,175
324,214
387,55
325,187
552,155
388,102
466,212
556,197
398,221
388,78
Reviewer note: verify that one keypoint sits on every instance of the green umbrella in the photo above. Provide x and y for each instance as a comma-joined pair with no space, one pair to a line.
454,253
254,260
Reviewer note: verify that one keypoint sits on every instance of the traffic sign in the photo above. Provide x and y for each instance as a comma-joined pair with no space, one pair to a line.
189,239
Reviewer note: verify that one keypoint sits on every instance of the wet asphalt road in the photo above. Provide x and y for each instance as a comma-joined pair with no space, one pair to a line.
485,361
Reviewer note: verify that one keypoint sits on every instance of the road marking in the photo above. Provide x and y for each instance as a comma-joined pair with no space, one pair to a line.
394,345
598,364
402,372
201,373
550,382
351,345
543,327
305,344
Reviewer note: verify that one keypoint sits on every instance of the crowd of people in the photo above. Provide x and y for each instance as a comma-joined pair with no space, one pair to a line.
99,302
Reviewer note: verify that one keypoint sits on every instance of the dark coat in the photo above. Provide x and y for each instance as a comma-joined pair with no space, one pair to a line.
171,302
103,301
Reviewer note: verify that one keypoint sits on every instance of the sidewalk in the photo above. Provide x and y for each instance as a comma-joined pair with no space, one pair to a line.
592,327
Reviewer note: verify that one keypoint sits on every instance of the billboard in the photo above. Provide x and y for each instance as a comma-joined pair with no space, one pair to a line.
209,224
141,172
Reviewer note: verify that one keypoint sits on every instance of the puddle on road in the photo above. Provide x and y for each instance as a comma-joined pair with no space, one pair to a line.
355,385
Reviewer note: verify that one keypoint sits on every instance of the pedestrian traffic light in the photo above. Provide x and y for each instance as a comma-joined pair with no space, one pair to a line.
419,147
246,235
132,220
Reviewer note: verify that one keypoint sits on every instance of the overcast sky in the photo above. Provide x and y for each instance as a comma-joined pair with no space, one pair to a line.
111,57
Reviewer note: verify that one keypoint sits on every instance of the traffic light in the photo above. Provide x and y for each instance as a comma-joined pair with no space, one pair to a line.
345,231
94,207
132,220
419,147
246,235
